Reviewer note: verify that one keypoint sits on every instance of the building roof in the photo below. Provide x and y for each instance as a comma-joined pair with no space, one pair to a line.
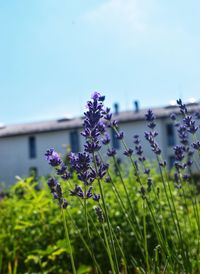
75,123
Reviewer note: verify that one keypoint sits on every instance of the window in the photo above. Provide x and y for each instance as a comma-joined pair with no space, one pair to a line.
32,147
170,135
74,141
171,161
115,141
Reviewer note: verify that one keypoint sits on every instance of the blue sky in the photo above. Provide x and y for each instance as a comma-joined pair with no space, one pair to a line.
55,53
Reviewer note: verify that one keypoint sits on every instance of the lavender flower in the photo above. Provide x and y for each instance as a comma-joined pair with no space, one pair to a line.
102,170
99,214
138,148
115,124
196,145
186,177
179,151
183,135
150,137
93,125
63,172
149,183
83,163
57,192
53,157
150,118
89,193
108,179
197,115
95,96
106,114
65,203
111,152
80,162
163,163
120,135
173,116
147,171
190,124
128,152
177,180
142,191
77,191
96,197
182,107
91,146
106,139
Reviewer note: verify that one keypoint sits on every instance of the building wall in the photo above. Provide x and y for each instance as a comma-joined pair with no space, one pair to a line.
15,158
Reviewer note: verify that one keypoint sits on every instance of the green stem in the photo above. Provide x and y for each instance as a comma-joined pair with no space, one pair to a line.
131,222
176,223
145,237
107,219
68,241
108,223
88,232
108,250
84,242
127,194
91,220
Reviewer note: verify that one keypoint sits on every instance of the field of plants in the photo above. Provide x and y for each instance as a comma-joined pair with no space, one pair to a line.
100,216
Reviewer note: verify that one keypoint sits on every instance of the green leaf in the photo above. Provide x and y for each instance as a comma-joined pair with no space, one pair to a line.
56,253
83,269
33,258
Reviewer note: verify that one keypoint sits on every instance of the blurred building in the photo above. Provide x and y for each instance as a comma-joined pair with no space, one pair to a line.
22,146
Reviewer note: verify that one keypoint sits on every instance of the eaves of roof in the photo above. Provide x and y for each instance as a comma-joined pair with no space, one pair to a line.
76,123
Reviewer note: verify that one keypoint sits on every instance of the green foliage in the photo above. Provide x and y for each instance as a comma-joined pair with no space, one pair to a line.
32,234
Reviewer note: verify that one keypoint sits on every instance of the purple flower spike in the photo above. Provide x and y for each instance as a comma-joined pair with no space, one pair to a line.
128,152
120,135
111,152
77,192
108,179
95,96
115,123
102,170
99,214
65,203
57,192
173,116
89,193
179,151
53,157
190,124
182,107
106,139
52,183
147,171
150,118
96,197
196,145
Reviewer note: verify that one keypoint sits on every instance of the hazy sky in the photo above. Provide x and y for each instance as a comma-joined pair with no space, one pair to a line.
55,53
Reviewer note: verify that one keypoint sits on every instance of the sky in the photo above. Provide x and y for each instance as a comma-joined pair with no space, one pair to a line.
55,53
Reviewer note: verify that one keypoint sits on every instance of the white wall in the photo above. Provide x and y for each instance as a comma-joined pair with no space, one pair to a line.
15,160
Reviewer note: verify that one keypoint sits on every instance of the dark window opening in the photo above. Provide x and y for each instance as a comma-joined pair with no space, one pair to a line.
171,161
74,141
170,135
115,141
32,147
